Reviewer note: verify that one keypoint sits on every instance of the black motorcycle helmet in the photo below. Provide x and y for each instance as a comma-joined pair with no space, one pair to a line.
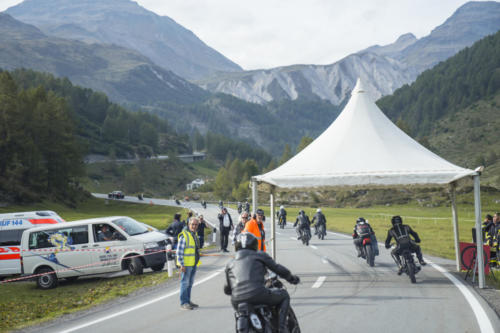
260,212
396,220
360,219
246,240
301,212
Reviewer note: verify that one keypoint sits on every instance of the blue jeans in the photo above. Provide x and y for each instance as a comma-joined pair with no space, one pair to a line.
187,279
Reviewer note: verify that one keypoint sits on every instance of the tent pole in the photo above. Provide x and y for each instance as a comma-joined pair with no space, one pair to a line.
254,197
454,215
479,233
273,224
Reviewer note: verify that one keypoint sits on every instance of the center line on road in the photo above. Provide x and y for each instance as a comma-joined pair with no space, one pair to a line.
314,247
319,282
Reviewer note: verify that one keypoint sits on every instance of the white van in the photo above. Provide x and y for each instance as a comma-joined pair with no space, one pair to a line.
93,246
12,226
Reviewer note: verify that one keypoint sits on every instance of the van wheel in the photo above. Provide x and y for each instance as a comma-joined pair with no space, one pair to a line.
158,268
47,281
135,266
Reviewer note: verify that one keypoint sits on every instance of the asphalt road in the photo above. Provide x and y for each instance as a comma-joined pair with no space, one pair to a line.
338,293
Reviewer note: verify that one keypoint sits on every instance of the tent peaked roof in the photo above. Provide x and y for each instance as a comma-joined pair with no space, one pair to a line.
362,147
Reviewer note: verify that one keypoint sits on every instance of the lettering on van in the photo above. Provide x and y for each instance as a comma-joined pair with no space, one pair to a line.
108,259
6,223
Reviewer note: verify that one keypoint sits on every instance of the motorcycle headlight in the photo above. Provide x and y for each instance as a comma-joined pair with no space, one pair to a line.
152,245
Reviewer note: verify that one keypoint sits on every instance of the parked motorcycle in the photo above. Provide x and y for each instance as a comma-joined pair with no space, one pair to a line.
252,318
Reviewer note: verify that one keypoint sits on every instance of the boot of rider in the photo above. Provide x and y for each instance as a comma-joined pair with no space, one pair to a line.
283,312
420,257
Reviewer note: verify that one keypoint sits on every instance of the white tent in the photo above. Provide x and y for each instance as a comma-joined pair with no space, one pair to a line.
363,148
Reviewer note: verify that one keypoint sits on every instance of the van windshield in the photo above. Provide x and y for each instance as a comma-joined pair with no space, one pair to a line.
131,226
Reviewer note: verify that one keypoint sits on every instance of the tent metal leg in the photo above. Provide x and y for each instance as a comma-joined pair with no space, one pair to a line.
273,224
254,197
454,215
479,233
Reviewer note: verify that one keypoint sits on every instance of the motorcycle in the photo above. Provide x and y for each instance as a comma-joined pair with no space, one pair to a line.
304,235
321,232
140,197
282,222
367,250
204,204
177,201
252,318
408,264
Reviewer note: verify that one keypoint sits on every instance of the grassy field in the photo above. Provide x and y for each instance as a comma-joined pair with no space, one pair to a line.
22,304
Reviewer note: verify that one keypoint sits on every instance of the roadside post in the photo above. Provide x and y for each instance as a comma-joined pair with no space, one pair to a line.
170,261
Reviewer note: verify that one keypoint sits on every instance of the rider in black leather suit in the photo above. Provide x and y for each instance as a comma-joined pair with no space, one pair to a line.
245,280
401,233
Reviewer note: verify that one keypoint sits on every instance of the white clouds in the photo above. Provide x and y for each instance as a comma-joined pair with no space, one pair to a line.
271,33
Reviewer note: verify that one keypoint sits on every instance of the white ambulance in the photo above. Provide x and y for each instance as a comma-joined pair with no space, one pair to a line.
12,226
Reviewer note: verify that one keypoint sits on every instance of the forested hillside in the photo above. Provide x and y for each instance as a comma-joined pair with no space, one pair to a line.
454,108
469,76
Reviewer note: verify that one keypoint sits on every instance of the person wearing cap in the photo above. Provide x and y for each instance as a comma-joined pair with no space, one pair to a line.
240,226
188,259
256,227
225,226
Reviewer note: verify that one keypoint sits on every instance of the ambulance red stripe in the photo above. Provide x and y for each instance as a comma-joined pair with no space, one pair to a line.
43,221
10,256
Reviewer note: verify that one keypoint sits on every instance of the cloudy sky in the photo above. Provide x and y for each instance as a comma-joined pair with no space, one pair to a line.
271,33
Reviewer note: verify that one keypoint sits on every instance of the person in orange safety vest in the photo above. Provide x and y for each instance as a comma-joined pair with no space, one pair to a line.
256,227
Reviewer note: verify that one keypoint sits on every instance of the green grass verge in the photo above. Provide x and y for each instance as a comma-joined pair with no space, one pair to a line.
22,304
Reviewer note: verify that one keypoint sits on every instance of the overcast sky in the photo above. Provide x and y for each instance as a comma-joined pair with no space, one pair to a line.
271,33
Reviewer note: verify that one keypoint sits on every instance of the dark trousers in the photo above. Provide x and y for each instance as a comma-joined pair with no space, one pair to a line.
202,240
271,297
224,237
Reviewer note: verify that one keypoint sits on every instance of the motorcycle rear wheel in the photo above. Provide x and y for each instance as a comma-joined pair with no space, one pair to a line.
370,255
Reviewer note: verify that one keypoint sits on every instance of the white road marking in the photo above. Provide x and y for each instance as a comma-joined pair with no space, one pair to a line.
294,238
314,247
337,234
324,260
90,323
319,282
279,233
482,318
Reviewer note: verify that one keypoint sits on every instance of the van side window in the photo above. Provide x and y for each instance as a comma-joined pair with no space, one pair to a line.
10,237
105,233
80,235
60,238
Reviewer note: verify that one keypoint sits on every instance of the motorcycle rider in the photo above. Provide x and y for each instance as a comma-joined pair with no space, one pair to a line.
281,215
247,207
245,280
240,207
303,223
320,219
401,233
361,229
492,239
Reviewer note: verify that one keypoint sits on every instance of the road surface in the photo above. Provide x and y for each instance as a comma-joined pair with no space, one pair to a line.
338,293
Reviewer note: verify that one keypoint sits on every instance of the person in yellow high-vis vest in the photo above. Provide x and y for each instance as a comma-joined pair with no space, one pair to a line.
188,258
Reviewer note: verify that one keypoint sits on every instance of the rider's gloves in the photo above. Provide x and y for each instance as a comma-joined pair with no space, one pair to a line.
294,279
227,290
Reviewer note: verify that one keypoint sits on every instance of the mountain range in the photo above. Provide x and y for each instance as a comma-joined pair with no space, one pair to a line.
125,23
383,68
125,75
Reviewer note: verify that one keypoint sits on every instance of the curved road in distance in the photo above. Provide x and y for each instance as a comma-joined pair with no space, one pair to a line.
338,293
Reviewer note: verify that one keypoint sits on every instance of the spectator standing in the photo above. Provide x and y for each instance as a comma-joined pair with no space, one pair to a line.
189,216
256,227
240,226
175,228
188,258
225,226
201,230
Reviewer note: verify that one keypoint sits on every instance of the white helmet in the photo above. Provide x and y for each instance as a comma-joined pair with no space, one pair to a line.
282,207
318,210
